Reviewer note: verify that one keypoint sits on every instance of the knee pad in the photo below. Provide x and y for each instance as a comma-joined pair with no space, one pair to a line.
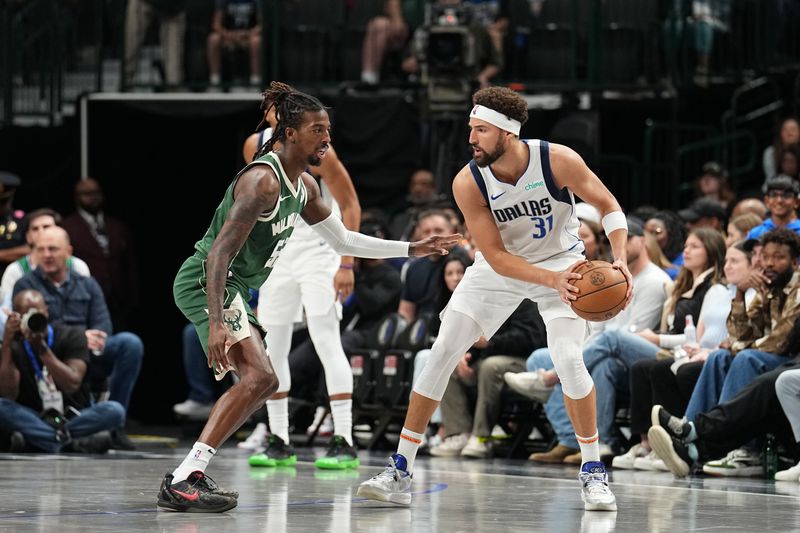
567,357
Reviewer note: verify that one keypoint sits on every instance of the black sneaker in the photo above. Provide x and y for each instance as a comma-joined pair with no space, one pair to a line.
673,451
120,441
97,443
676,427
193,495
278,453
338,456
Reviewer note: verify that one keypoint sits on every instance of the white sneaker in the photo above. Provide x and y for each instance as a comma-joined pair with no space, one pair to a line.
322,419
476,448
529,384
596,494
625,461
193,410
791,474
738,463
651,462
451,446
392,485
256,440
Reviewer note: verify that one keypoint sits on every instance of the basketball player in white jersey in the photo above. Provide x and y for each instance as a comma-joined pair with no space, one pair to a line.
517,198
310,275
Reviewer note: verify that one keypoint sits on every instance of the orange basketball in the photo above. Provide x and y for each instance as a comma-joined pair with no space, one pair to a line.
602,291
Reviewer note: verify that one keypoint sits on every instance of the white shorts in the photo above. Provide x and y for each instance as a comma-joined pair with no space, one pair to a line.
489,298
302,278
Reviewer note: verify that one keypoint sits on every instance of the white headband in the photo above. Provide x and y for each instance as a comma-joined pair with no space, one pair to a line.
497,119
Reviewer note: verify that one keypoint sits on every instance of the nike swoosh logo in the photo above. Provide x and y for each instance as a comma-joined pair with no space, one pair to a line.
499,195
191,497
283,198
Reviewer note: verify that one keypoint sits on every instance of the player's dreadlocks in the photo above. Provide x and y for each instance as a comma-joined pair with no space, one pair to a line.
290,105
503,101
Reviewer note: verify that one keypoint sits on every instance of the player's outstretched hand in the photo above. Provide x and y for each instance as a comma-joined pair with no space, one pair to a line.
622,266
435,244
563,284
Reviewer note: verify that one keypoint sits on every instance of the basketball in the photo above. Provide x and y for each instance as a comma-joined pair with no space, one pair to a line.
602,291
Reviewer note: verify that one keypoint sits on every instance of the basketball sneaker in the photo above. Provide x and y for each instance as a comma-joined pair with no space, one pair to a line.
594,488
676,427
255,441
338,456
738,463
196,494
672,450
278,453
392,485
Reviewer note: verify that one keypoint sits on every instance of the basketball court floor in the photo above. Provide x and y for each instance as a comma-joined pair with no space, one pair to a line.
117,493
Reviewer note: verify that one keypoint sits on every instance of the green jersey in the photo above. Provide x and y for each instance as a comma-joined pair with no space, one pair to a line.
252,265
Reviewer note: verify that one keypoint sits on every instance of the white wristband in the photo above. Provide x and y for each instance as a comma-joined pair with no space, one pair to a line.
613,221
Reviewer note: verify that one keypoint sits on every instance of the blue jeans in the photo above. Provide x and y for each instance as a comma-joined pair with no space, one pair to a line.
724,375
607,359
104,416
195,366
122,361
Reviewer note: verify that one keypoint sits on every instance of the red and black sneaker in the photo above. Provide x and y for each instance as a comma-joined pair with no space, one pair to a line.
193,495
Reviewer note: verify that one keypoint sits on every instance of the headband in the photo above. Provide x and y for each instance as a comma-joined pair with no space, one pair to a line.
496,119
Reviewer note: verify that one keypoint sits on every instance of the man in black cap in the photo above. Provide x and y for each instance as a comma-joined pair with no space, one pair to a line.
12,227
704,212
780,196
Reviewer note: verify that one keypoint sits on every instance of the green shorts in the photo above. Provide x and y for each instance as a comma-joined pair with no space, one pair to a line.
190,297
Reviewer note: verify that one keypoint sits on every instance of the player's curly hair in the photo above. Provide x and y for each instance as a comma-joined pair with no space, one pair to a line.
503,101
290,106
783,236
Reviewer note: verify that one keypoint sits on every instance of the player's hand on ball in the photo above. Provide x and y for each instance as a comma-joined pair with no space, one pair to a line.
434,245
563,284
622,266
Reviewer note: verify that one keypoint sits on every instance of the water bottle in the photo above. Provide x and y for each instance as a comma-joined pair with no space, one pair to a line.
690,331
770,457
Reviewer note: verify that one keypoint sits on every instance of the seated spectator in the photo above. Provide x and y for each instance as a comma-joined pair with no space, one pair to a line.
750,414
787,135
594,240
385,33
750,205
106,244
44,393
12,222
644,311
740,226
35,222
171,16
78,301
704,213
670,233
235,25
780,196
713,183
422,194
790,162
202,388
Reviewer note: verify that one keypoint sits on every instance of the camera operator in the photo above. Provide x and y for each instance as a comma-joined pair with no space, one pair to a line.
43,393
477,58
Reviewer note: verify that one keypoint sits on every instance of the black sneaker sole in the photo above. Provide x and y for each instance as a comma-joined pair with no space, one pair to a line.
662,444
184,508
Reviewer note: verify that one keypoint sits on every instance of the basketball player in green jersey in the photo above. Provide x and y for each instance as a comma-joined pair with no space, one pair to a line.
247,233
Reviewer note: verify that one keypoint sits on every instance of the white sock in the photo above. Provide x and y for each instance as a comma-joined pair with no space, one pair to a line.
590,447
278,411
197,459
342,412
367,76
410,442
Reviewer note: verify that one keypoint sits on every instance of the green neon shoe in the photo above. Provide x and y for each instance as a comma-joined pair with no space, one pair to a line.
278,453
339,456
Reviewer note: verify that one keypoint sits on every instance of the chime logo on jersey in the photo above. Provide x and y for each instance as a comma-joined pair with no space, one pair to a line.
529,208
281,225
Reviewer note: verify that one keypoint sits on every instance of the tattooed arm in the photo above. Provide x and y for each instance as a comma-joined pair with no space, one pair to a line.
256,191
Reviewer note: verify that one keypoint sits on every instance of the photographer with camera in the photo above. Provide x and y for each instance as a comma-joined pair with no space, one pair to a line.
44,395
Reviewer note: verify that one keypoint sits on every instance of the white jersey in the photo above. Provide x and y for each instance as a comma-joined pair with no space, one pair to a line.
536,219
302,231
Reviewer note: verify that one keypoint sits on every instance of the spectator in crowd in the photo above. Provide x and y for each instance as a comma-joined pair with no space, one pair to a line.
385,33
704,213
469,431
740,226
708,16
78,301
594,240
670,233
235,24
790,162
12,222
422,194
106,244
43,387
644,311
788,135
713,183
750,205
35,222
202,389
781,197
171,15
787,388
